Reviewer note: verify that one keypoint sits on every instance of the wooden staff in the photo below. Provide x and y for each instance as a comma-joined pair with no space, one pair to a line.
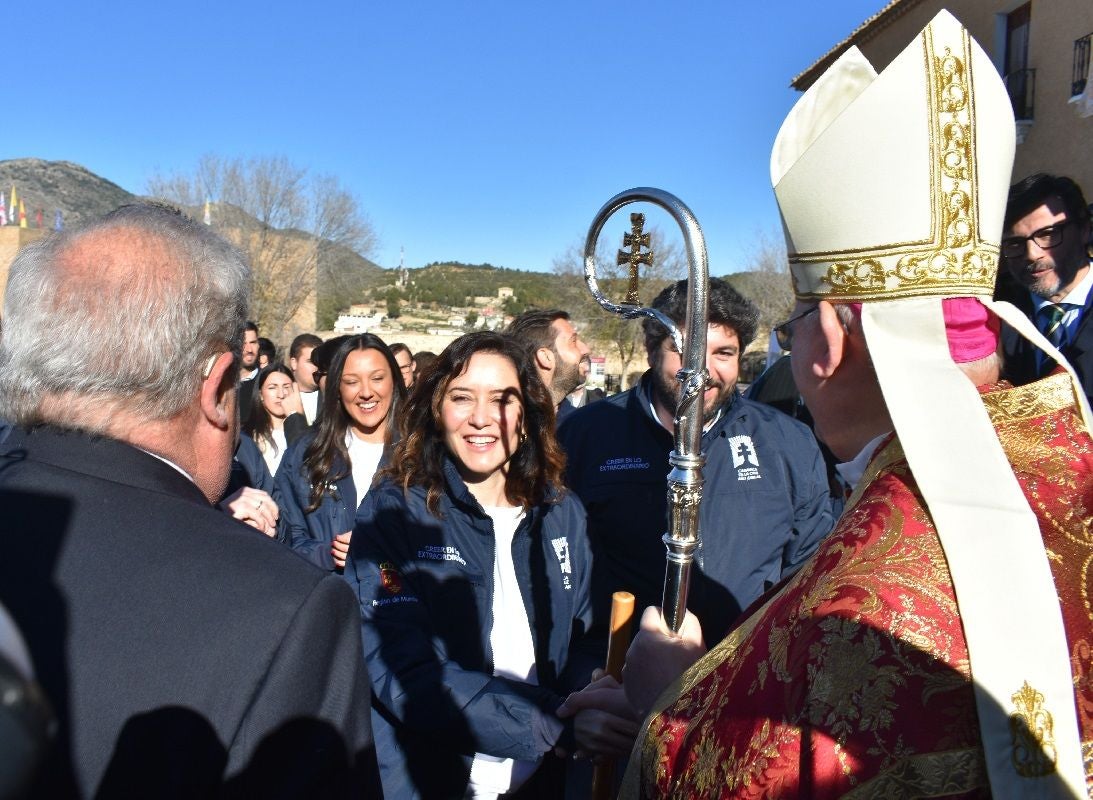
622,615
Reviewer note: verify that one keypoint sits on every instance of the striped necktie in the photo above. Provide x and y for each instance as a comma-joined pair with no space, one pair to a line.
1053,326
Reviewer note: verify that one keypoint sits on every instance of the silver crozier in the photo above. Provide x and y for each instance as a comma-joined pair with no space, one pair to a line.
686,460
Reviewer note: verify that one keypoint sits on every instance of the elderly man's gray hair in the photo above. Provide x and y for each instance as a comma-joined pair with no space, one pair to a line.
120,315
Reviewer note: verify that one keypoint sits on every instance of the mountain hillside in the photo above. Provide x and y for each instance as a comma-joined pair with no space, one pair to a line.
344,276
49,185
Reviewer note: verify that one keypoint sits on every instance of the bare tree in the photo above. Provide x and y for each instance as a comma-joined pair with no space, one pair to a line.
609,331
294,227
766,280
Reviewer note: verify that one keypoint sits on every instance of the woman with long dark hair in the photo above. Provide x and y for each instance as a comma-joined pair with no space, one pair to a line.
272,405
325,475
472,568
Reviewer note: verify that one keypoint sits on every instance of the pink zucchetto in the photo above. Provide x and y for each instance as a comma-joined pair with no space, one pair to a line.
971,329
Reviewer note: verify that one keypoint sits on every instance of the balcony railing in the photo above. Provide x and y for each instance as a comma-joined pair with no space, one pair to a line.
1081,64
1021,85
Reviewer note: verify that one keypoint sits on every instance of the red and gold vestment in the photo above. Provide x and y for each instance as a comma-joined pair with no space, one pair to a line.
853,679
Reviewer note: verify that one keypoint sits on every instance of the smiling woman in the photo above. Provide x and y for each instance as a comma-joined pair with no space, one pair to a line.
325,475
481,415
472,565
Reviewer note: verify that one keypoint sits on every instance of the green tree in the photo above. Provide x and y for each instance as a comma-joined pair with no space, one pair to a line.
470,319
394,301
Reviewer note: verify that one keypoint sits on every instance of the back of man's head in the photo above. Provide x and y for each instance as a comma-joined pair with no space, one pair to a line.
534,329
1030,193
726,307
122,315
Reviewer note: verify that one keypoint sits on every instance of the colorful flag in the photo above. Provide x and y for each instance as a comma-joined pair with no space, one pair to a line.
22,215
3,211
208,212
13,205
58,222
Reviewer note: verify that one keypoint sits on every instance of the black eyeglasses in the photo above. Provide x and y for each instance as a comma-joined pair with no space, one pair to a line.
1045,238
784,333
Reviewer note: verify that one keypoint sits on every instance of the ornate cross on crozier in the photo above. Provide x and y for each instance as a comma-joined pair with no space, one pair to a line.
635,240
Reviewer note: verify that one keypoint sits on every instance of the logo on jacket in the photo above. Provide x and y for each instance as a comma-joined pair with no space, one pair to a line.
744,458
438,552
624,463
389,578
561,549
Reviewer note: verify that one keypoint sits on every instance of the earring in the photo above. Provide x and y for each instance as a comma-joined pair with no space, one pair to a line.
523,437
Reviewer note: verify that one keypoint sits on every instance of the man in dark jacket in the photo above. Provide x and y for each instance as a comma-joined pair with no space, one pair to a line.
765,500
248,369
184,653
1047,275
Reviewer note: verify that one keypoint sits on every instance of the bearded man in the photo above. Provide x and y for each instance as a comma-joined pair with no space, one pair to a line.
561,355
767,502
1045,250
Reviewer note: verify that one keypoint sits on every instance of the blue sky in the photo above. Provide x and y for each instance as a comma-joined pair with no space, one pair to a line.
469,131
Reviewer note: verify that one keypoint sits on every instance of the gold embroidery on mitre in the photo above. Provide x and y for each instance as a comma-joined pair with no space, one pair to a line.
1031,726
955,260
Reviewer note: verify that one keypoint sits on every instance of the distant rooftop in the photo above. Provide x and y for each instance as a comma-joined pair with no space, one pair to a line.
863,33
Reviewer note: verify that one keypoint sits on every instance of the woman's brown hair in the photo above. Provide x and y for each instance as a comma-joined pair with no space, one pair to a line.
534,469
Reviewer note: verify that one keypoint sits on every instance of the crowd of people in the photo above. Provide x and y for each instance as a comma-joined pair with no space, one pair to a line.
362,571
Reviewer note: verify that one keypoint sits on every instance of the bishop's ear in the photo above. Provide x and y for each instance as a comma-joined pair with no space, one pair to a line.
830,349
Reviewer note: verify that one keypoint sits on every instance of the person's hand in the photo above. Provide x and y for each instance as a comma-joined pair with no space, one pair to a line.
604,723
292,404
657,657
254,507
339,548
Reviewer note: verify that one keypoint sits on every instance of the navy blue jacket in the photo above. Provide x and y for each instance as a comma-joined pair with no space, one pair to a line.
311,534
765,505
1020,362
425,587
249,467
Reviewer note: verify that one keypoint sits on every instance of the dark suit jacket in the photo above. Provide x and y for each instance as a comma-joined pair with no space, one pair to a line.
186,655
1020,354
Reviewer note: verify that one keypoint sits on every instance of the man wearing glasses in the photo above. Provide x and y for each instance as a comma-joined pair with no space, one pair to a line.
1045,251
